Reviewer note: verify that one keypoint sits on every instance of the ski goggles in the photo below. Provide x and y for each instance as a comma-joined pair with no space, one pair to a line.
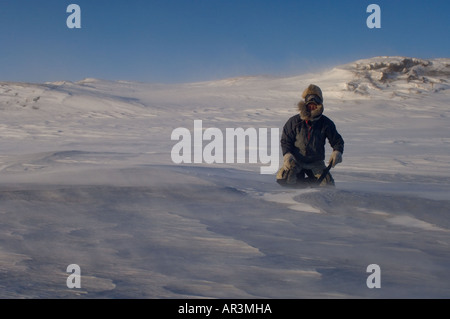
312,98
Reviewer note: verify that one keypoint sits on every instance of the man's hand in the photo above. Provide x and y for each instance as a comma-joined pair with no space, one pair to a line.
336,158
289,161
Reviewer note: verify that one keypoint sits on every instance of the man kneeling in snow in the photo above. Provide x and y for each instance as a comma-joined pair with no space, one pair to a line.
303,142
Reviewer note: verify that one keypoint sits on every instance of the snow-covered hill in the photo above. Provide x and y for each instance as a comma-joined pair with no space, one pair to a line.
86,177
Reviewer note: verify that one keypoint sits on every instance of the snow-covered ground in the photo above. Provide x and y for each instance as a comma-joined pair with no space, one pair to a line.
87,178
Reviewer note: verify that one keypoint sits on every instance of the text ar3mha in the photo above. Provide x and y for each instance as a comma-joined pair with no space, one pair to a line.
233,308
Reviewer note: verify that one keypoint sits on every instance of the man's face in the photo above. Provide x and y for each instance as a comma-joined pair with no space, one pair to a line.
311,106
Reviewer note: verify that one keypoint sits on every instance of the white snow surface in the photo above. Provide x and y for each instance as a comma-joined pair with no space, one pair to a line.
86,177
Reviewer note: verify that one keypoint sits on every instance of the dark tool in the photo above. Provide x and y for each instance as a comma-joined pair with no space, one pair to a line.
324,174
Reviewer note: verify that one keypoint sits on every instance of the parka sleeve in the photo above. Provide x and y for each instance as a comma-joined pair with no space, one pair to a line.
288,137
335,139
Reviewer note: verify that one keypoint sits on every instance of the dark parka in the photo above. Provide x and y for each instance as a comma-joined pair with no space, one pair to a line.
305,139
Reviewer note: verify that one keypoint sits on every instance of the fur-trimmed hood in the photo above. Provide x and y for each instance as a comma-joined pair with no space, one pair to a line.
307,115
315,114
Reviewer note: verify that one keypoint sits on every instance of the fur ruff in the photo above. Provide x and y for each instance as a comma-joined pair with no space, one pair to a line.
312,89
306,115
315,114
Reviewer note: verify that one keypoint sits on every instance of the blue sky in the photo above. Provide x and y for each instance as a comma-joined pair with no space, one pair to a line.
174,41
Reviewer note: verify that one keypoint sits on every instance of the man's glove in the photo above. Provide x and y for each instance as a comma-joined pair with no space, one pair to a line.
336,158
289,161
